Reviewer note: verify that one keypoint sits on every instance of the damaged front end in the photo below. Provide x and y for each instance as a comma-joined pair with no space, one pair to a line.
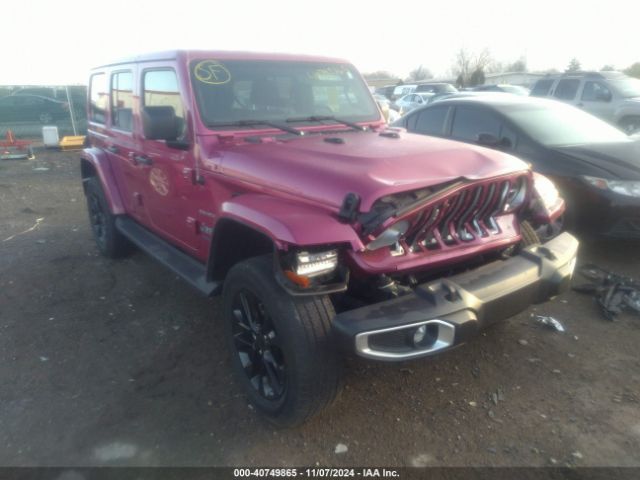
419,235
439,225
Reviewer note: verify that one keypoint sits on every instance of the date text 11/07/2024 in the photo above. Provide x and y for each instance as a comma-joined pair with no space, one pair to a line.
316,472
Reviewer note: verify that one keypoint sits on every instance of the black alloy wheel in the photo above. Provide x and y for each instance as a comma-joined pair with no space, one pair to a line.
282,347
258,346
97,219
110,242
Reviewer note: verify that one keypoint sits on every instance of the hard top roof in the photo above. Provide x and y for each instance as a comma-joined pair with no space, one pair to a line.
188,55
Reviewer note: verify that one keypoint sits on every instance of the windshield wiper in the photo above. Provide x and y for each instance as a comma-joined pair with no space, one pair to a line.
253,123
323,118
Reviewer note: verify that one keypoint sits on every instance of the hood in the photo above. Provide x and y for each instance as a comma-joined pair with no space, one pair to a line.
325,167
620,160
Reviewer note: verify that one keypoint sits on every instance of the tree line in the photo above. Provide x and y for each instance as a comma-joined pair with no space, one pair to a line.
469,69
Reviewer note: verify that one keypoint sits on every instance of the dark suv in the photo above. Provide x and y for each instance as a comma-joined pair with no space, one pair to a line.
273,180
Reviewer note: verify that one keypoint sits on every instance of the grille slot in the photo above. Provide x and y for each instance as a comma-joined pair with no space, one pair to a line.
462,217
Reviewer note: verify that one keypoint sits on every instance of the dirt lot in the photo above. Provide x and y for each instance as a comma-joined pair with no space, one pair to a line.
120,363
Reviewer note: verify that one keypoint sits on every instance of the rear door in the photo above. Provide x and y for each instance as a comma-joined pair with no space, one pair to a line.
121,142
115,142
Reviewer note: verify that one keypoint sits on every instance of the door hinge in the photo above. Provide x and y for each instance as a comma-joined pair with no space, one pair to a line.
190,174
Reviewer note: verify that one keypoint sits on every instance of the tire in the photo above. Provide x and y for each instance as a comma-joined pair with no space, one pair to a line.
529,235
111,243
630,124
283,356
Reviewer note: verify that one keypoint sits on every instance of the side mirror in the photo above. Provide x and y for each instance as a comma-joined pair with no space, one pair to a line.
160,123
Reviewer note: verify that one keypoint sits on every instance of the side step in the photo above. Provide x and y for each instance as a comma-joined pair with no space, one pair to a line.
191,270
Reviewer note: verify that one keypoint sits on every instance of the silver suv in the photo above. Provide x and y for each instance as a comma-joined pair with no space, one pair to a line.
612,96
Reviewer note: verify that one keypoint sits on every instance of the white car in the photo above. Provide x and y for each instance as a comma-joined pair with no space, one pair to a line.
402,90
413,100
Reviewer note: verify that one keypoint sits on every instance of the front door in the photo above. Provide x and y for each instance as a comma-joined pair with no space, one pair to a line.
170,192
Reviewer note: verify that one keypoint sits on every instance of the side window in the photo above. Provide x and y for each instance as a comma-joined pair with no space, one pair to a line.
595,92
431,121
469,122
541,88
567,89
122,101
98,98
160,89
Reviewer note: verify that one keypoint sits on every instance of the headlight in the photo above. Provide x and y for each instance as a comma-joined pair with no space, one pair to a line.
629,188
547,191
390,236
314,264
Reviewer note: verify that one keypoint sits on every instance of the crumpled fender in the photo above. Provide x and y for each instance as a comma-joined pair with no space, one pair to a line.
288,222
100,162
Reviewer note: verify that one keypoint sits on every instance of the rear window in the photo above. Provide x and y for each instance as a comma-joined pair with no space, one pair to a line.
122,100
470,122
98,98
541,88
431,121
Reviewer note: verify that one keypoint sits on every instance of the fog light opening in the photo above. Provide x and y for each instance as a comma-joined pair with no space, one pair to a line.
425,336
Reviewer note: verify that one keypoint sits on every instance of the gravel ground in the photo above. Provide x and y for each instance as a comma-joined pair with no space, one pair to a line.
121,363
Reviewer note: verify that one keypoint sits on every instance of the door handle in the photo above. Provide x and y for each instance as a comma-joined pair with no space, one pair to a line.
113,149
142,160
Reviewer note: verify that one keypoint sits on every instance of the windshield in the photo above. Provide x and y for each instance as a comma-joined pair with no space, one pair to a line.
239,90
556,125
627,87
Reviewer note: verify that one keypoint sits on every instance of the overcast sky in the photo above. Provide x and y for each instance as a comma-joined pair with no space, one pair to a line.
57,41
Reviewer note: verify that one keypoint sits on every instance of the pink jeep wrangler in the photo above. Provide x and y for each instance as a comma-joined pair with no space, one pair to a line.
273,180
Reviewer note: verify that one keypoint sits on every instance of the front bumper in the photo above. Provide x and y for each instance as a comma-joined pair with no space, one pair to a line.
456,308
